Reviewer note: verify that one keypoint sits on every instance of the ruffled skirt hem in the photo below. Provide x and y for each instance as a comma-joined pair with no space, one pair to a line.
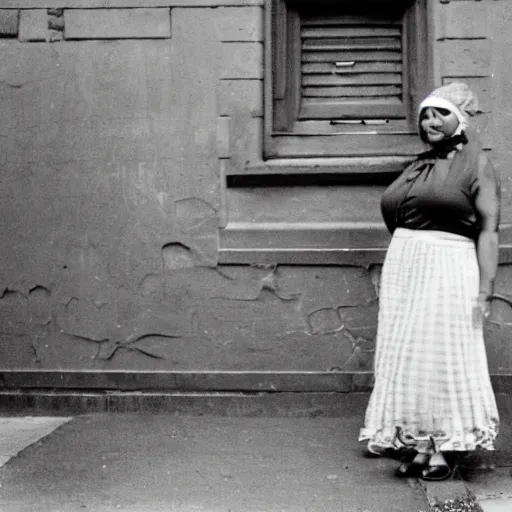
467,441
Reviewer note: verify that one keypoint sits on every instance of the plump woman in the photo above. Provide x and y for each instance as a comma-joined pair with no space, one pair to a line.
432,394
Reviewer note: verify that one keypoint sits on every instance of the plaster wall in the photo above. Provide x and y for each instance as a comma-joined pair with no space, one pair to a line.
118,124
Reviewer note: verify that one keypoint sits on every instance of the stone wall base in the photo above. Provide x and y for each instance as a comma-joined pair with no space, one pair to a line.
247,394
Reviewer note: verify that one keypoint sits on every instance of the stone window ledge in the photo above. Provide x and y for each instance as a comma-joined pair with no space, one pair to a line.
347,166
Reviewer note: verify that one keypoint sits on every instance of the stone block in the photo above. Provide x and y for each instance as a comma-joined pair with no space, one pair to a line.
189,140
9,22
33,25
462,58
224,168
240,98
246,141
241,24
462,20
109,4
117,23
94,103
303,204
241,60
223,137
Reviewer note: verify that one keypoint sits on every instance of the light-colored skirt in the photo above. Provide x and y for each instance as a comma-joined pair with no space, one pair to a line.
431,373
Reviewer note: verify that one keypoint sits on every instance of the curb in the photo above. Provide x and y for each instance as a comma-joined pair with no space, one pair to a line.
450,496
458,495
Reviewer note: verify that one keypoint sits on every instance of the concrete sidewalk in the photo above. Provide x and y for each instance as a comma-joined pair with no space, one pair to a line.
160,463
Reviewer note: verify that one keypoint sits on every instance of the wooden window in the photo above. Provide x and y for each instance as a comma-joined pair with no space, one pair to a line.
345,77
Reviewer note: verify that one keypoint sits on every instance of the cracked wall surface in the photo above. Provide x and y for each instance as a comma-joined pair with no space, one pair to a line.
112,146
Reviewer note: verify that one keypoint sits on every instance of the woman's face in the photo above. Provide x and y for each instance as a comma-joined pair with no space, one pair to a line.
438,124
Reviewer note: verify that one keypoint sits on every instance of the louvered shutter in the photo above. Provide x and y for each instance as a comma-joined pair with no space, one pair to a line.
351,68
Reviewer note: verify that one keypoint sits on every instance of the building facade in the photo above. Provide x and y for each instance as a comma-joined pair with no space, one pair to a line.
193,185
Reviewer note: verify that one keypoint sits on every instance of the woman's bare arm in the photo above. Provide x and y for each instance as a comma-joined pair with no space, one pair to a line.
487,203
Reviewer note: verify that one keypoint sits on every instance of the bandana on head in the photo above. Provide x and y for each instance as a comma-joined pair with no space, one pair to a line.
455,97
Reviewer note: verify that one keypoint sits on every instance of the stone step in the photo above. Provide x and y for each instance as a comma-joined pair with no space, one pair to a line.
330,394
196,381
275,404
203,381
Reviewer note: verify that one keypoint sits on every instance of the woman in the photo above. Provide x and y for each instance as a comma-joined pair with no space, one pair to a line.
432,390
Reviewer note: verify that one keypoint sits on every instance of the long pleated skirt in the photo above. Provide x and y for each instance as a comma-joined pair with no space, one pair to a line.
431,375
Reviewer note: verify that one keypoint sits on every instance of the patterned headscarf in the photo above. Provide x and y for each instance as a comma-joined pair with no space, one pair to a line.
455,97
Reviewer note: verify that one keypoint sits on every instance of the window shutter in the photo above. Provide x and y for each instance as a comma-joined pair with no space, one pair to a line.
351,68
344,77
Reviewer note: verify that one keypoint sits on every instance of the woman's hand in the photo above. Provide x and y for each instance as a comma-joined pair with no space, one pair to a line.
481,309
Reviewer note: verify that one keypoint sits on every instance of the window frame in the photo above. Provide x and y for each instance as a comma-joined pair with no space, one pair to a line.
310,140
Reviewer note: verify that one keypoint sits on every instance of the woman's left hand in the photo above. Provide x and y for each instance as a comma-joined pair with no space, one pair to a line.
481,309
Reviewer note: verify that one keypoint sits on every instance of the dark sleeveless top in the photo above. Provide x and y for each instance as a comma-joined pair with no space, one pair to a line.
437,193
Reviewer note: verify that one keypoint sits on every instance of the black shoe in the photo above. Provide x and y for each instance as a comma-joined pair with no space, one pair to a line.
413,468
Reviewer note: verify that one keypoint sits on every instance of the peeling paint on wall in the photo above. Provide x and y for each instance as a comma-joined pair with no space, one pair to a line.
39,302
176,255
325,321
152,286
251,289
195,215
107,348
363,350
111,183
